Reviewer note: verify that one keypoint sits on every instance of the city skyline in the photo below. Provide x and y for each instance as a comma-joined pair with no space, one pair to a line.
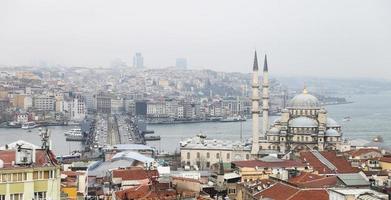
302,38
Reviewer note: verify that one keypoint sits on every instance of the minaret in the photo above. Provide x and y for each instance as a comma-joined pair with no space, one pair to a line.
255,107
265,99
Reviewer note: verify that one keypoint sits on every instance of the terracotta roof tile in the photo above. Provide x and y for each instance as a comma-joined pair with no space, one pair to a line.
145,192
259,163
385,159
340,162
309,180
41,158
310,194
278,191
135,173
304,177
359,152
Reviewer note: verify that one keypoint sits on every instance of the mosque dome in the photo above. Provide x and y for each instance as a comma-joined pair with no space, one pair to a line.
304,100
331,123
303,122
332,133
274,131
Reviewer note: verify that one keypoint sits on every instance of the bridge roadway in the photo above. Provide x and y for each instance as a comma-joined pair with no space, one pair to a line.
116,129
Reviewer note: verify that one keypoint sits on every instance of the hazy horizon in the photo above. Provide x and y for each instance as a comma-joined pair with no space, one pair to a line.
336,39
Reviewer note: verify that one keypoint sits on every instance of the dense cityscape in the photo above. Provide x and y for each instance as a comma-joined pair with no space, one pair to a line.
195,100
302,152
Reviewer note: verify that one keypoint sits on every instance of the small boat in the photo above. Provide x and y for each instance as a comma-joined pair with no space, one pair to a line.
29,125
152,138
347,119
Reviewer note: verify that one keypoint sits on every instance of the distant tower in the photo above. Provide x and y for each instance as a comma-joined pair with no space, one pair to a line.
138,61
181,63
255,107
265,99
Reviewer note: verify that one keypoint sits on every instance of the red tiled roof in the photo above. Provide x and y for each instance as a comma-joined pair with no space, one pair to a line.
135,173
145,192
185,179
304,177
318,194
259,163
71,173
278,191
324,182
309,180
41,158
342,165
385,159
282,191
359,152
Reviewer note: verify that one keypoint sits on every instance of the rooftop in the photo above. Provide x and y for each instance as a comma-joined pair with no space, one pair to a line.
200,142
339,162
275,164
41,159
134,173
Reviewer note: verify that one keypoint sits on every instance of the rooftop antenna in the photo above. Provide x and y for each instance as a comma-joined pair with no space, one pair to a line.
45,139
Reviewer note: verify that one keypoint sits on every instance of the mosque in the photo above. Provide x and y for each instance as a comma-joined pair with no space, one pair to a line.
303,124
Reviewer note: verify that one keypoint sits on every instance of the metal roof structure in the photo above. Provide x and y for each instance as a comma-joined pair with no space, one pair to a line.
353,179
132,155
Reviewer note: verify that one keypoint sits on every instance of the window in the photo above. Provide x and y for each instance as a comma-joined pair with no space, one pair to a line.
18,196
35,175
208,164
188,155
4,178
207,155
198,154
231,191
247,156
39,195
217,155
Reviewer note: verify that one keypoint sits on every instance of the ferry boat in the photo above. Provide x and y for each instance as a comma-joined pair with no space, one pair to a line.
233,119
74,135
29,125
72,131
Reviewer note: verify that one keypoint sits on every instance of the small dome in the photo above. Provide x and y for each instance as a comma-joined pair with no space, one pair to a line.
274,131
303,122
278,120
304,100
332,133
331,123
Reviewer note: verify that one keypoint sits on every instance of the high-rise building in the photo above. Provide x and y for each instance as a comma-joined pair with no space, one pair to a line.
181,63
138,60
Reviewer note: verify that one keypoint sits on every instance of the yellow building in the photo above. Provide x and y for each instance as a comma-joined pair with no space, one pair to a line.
28,173
251,170
385,163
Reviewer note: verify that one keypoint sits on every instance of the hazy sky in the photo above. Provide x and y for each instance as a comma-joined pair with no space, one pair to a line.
346,38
